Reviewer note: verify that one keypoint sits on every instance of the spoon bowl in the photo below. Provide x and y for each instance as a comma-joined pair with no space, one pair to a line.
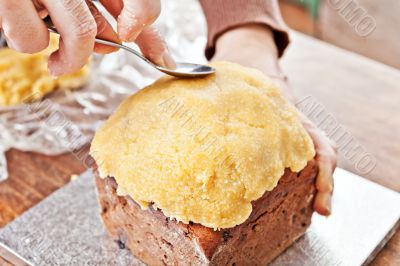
188,70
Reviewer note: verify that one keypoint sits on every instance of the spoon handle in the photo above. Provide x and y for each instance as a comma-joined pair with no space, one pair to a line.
126,48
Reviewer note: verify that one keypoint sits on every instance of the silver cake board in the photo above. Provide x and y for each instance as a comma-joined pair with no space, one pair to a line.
65,228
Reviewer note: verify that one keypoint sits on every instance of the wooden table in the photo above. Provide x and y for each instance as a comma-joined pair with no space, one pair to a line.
361,95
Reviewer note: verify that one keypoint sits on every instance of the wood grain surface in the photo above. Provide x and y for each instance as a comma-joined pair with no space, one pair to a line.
4,262
32,177
362,95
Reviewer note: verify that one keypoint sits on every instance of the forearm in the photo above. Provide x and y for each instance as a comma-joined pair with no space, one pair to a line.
248,32
253,46
223,16
244,42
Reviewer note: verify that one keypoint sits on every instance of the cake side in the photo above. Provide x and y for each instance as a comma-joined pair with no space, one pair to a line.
149,235
278,218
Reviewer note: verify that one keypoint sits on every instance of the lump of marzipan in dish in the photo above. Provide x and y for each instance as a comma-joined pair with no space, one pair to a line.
202,150
25,78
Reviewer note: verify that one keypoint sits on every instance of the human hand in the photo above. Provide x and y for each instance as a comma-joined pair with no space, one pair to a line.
326,159
254,46
79,22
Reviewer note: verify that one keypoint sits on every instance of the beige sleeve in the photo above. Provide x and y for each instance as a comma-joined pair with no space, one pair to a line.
223,15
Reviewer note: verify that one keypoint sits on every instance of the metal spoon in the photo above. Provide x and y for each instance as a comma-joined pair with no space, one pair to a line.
182,70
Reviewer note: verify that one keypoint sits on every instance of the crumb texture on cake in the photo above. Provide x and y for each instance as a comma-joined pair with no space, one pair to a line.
202,150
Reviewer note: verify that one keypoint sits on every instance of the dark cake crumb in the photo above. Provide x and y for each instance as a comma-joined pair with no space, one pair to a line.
226,236
121,244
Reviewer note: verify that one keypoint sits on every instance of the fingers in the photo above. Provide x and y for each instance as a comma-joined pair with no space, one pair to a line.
324,182
326,160
322,203
324,185
154,48
104,30
77,29
134,20
136,15
22,26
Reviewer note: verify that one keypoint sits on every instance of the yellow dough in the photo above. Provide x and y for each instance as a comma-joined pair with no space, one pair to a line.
25,78
202,150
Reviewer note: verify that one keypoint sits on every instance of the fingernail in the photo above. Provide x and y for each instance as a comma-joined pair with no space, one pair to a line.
168,61
328,205
328,211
